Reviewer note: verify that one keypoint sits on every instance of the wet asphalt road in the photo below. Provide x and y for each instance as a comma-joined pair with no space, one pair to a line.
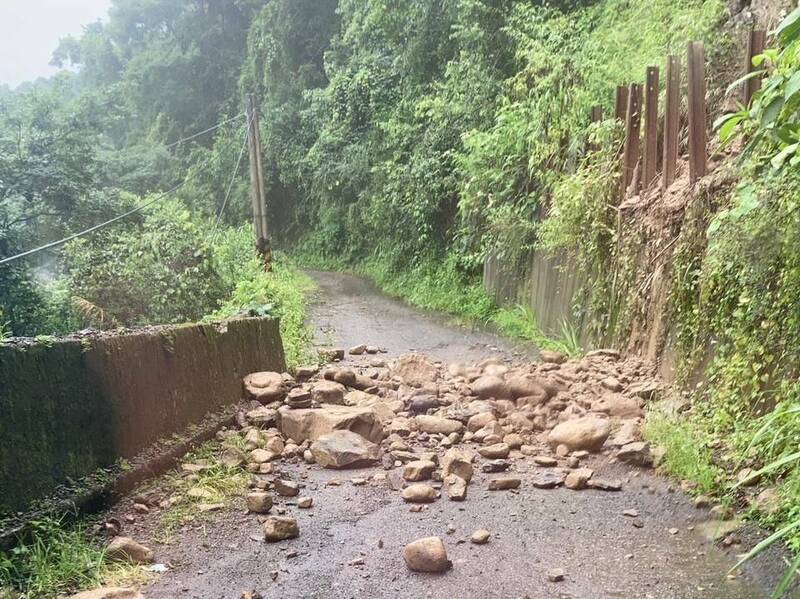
602,552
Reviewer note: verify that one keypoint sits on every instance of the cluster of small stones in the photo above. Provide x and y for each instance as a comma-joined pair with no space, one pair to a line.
432,425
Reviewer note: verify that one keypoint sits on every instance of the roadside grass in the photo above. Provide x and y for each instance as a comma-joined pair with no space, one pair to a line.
280,293
687,455
60,557
219,484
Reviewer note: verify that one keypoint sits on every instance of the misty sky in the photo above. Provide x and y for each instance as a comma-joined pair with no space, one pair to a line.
30,30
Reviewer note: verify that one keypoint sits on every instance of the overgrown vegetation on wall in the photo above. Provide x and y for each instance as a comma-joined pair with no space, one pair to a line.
735,287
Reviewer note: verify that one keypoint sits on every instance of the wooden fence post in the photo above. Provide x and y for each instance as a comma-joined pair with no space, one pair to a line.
756,40
630,154
697,111
621,102
671,120
650,161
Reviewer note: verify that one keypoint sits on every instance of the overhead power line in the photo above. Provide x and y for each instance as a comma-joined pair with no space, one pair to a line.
94,228
230,185
159,197
209,130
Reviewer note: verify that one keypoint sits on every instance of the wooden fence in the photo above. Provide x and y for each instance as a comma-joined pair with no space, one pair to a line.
652,140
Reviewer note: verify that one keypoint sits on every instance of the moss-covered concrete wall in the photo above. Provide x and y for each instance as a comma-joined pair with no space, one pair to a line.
70,406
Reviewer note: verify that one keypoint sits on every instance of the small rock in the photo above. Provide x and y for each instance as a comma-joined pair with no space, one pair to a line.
418,470
496,451
555,575
456,488
259,503
126,549
612,384
504,484
286,488
480,536
280,528
545,461
495,466
232,457
605,484
702,502
357,350
419,493
636,454
457,462
552,357
436,424
305,502
548,480
578,478
427,555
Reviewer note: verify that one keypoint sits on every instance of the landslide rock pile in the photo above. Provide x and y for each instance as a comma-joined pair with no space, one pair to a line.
431,425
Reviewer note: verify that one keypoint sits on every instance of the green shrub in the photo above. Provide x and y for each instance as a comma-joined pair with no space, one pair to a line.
158,269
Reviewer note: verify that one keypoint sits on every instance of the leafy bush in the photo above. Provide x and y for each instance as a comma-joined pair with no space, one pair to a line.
159,269
772,121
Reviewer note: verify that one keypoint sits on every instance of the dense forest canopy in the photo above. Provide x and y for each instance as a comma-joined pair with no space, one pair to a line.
417,134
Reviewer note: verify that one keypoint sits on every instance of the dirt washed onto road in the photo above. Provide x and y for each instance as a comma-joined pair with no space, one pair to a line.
531,474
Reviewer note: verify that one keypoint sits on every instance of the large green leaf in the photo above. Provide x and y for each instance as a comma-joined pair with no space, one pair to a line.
789,29
792,86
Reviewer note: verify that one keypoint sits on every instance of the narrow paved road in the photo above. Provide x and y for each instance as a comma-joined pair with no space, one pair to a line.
351,540
349,310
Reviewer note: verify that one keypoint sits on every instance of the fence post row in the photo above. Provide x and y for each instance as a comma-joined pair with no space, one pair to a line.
640,166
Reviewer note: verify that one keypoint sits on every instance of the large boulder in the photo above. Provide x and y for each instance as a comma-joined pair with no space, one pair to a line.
344,449
415,369
587,433
311,424
264,387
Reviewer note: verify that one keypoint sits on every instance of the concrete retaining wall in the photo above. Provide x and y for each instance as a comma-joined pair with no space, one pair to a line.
70,406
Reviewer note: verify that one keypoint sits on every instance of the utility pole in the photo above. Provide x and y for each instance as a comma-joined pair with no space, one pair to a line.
258,192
